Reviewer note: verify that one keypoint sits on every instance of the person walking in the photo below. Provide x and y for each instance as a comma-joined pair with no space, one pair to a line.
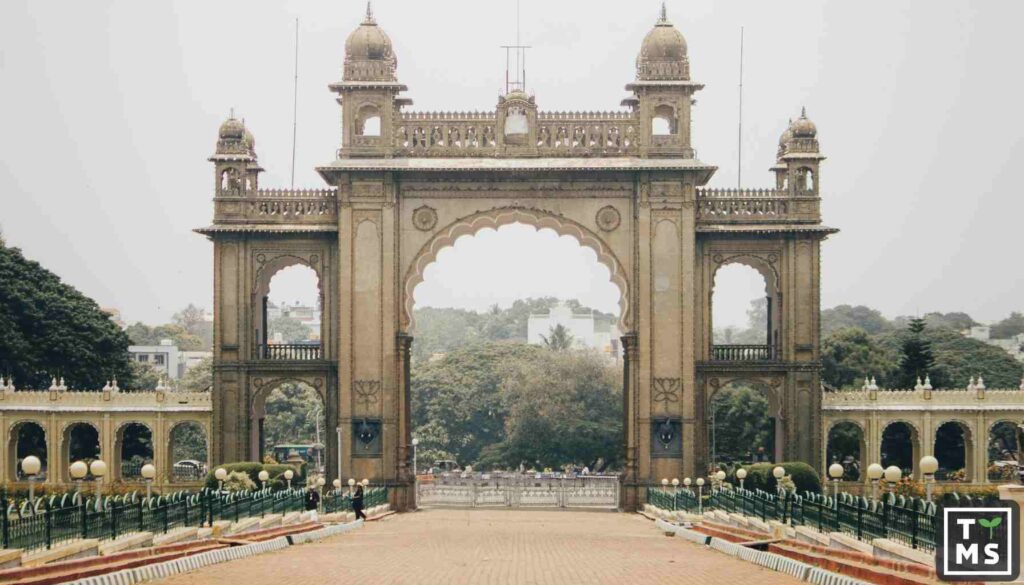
312,502
357,502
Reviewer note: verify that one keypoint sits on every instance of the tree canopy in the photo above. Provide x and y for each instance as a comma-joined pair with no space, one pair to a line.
51,329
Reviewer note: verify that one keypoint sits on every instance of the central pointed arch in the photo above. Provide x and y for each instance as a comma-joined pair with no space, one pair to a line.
495,218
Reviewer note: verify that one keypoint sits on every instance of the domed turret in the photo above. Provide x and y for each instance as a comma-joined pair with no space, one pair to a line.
232,129
663,53
803,127
787,135
231,137
250,141
368,53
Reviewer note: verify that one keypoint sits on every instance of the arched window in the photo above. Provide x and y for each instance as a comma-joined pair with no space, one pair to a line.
741,315
81,443
743,425
136,449
1002,452
805,179
290,317
664,122
900,446
368,121
27,438
292,424
845,446
952,449
189,452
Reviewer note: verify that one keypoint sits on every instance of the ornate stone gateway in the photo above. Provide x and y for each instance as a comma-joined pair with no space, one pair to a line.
405,184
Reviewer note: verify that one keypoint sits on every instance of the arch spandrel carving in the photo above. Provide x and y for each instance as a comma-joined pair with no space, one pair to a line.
500,216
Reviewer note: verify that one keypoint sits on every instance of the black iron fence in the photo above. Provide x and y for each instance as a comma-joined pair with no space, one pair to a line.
53,520
910,521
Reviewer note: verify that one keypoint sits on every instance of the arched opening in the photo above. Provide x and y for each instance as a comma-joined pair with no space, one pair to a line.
516,363
368,121
900,446
1002,452
291,425
27,438
953,450
845,446
81,442
743,315
135,449
189,452
805,179
745,425
664,122
290,318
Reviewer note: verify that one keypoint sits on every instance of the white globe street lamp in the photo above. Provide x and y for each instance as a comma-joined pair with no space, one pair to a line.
875,472
148,474
700,496
893,476
78,471
98,468
337,485
220,474
288,475
835,471
929,465
264,475
779,472
415,476
31,466
741,474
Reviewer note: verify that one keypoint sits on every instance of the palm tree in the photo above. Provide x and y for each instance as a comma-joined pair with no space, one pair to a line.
559,338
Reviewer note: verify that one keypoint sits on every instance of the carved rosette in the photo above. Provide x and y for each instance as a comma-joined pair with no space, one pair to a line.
424,218
608,218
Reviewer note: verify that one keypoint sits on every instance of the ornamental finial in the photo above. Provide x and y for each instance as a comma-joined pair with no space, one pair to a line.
369,13
664,13
803,112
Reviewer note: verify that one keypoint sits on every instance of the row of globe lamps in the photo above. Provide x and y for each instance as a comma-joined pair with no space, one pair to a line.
221,475
892,474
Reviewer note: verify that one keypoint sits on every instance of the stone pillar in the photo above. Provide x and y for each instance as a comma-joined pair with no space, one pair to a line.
55,464
630,378
161,441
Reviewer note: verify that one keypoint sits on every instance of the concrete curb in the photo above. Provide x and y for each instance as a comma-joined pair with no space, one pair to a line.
193,562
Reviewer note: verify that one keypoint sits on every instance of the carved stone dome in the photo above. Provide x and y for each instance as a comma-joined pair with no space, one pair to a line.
368,53
663,53
803,127
232,129
249,140
787,135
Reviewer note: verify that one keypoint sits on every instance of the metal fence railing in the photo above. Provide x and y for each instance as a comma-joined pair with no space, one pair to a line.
49,521
910,521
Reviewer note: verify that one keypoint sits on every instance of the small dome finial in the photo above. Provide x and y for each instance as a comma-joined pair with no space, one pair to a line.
664,13
803,112
369,13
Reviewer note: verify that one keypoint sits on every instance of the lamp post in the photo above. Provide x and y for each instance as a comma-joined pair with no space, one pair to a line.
288,475
700,496
148,474
893,476
320,482
415,476
31,466
741,474
337,485
221,474
98,468
875,472
929,465
351,486
264,475
835,471
720,476
78,471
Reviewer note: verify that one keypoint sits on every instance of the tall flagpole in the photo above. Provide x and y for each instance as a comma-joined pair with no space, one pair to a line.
739,133
295,101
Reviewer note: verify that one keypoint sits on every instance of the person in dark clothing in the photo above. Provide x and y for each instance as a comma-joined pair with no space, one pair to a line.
357,502
312,502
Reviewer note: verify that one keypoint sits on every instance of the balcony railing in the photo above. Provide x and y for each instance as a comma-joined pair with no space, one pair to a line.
182,472
743,353
289,351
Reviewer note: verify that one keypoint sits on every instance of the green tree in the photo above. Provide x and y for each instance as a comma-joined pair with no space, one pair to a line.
1008,327
741,422
849,355
954,321
51,329
199,378
916,357
142,334
288,415
144,377
846,316
558,339
193,320
291,330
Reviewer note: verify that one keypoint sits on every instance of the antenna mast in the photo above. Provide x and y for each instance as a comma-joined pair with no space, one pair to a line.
739,132
295,101
520,68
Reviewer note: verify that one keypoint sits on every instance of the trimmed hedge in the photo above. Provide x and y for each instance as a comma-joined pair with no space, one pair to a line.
759,476
253,469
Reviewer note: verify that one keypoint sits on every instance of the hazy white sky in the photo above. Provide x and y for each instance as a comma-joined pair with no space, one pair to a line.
109,110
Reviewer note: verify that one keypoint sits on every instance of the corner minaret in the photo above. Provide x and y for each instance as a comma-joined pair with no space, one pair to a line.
801,155
664,91
234,160
368,91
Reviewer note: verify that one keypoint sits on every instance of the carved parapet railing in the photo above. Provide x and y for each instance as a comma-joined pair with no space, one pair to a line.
921,399
477,134
587,133
446,134
284,206
289,351
756,206
104,400
743,353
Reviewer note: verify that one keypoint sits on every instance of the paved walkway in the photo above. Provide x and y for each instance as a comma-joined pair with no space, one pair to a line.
499,546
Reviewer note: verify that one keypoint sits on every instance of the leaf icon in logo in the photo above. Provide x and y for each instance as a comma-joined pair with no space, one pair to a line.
990,524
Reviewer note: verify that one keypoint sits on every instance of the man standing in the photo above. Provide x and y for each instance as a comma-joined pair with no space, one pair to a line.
312,502
357,502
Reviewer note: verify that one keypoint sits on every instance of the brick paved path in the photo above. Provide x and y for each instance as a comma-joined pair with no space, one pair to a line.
499,546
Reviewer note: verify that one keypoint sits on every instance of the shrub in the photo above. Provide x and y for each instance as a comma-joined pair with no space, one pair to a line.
252,469
239,481
759,476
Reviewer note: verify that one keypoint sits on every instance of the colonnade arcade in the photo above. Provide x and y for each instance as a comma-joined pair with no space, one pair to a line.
406,184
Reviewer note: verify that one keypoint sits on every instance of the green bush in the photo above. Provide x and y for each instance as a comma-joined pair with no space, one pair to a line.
759,476
252,469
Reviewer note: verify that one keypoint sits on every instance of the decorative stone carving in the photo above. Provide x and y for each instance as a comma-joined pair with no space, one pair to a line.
367,391
424,218
608,218
667,389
